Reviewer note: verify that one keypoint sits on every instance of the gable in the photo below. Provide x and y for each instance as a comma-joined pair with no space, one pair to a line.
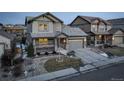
79,21
42,18
119,32
95,21
48,16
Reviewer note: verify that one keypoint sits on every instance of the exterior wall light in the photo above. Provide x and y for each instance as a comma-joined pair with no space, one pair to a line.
100,36
85,40
64,41
113,38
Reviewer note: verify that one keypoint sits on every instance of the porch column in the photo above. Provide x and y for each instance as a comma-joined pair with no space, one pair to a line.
105,41
95,41
67,45
85,42
56,45
34,45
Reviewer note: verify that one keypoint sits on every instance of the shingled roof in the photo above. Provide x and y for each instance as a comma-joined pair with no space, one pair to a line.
91,19
73,31
114,30
47,14
7,35
117,23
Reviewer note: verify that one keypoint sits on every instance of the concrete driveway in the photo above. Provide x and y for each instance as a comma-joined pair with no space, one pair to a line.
88,56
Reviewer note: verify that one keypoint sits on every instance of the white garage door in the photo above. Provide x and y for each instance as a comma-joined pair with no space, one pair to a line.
75,44
1,50
118,40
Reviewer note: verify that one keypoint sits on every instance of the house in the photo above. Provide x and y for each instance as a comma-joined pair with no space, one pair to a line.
117,23
6,41
117,31
95,27
117,36
48,33
19,30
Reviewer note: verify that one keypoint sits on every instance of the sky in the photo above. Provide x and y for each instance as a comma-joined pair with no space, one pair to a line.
66,17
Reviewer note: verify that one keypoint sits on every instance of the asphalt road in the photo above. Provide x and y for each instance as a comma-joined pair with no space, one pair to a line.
113,73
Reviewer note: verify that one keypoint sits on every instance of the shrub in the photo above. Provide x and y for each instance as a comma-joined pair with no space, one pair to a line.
6,60
30,50
17,70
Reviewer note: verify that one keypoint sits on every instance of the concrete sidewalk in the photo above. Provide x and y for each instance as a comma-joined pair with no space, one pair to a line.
52,75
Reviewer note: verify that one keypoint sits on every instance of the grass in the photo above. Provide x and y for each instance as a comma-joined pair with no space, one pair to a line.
53,64
115,51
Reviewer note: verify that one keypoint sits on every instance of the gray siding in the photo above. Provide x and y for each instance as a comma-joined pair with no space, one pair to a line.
83,24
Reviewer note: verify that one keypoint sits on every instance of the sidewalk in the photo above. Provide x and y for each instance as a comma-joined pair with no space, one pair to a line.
72,72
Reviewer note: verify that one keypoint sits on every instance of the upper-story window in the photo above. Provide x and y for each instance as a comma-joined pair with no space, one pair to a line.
43,27
101,28
94,28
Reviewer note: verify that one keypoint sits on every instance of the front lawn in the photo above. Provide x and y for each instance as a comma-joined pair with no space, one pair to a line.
53,64
115,51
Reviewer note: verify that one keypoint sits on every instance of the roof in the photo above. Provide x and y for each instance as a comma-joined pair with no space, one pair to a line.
90,19
114,30
73,31
117,23
47,14
43,35
7,35
101,33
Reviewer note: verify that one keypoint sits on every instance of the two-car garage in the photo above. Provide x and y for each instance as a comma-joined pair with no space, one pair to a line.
76,44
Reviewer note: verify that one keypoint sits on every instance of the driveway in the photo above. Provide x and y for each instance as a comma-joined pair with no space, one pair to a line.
88,56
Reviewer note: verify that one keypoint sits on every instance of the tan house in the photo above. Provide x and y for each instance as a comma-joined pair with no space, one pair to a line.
95,27
48,34
117,37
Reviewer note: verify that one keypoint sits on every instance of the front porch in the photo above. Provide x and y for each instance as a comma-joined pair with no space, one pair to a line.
102,39
99,40
42,45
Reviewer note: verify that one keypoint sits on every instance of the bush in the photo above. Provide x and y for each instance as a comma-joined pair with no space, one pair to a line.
18,67
18,61
46,53
54,65
30,50
6,60
17,70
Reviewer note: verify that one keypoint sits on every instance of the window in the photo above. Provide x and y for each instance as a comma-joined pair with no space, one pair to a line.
93,28
43,27
43,40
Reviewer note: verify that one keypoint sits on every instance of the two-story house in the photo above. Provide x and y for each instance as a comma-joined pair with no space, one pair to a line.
48,34
95,27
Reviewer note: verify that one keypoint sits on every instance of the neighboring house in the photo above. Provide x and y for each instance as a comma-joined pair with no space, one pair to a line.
117,23
95,27
117,31
48,33
18,30
6,41
117,36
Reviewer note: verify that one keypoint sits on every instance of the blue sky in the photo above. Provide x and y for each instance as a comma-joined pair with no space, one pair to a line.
67,17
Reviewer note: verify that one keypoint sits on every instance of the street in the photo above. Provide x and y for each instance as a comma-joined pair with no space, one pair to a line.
115,72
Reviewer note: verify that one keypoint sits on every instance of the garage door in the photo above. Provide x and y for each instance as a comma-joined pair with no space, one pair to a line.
118,40
1,50
75,44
